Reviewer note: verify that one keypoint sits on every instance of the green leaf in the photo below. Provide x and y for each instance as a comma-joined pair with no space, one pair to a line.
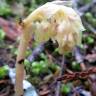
56,50
81,46
65,89
26,62
39,67
14,51
28,52
5,10
89,17
75,65
87,1
35,64
43,56
90,40
36,71
2,34
3,71
43,64
94,22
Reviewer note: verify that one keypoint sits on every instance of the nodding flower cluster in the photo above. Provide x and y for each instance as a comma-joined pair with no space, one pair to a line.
57,22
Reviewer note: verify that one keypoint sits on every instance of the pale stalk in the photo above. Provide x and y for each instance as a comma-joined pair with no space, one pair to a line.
25,37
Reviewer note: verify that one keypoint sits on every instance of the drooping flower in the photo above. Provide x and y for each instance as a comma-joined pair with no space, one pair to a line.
57,22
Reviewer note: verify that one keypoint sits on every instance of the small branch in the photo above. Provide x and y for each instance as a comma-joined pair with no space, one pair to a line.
78,75
7,91
36,52
59,82
89,27
83,67
85,8
79,58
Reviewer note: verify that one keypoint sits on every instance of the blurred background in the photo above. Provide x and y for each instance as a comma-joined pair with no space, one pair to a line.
42,63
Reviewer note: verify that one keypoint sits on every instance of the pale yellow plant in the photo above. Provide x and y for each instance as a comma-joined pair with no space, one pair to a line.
52,21
56,22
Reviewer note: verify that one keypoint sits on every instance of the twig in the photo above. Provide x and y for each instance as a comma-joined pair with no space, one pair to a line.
83,67
79,58
44,93
7,91
89,27
78,75
85,8
36,52
59,83
4,81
